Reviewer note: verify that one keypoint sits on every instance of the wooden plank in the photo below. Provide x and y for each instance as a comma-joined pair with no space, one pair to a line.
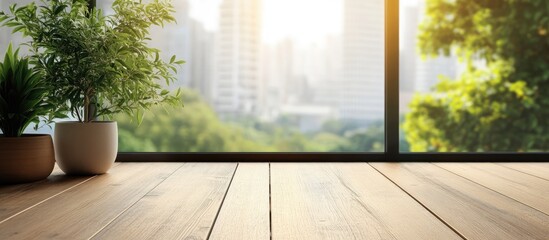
540,170
17,198
81,211
184,206
245,211
471,209
345,201
522,187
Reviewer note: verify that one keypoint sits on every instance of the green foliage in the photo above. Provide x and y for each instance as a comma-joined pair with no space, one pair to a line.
371,138
198,129
92,59
22,94
503,107
129,143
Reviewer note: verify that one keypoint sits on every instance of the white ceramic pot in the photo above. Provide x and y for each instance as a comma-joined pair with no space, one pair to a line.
85,148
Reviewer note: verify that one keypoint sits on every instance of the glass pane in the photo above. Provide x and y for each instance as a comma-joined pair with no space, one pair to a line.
474,76
268,76
6,37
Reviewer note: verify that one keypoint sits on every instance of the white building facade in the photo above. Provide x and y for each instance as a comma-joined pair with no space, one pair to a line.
236,86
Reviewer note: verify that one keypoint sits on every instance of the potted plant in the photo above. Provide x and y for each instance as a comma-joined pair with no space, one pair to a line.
97,66
24,157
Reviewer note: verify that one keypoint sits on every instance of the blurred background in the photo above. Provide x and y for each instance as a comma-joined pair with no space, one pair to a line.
308,76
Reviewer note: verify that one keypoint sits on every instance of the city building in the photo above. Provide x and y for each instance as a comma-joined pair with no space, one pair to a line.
277,73
408,48
309,118
363,61
200,60
296,74
419,74
237,85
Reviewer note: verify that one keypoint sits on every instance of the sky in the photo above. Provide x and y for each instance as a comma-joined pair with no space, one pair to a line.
306,20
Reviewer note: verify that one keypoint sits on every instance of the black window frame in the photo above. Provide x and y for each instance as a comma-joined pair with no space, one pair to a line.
391,154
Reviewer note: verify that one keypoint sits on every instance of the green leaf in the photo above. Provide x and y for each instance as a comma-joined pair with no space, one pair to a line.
108,55
59,9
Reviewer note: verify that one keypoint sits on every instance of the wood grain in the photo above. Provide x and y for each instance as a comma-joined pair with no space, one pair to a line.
308,201
245,211
473,210
81,211
522,187
345,201
184,206
17,198
540,170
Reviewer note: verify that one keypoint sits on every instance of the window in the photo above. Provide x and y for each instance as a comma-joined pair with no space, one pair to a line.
6,37
317,80
270,76
474,76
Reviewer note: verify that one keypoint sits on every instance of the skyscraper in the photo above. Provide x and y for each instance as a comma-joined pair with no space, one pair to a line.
408,55
237,58
363,60
200,60
174,39
417,74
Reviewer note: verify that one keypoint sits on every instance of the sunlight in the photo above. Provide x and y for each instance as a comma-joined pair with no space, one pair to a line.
205,11
303,20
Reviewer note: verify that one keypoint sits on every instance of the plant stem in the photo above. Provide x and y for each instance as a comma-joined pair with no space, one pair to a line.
86,108
89,105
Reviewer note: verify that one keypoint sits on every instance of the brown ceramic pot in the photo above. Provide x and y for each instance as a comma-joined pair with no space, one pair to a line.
85,148
26,159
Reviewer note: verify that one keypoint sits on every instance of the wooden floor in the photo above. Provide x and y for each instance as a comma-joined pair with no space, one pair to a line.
284,201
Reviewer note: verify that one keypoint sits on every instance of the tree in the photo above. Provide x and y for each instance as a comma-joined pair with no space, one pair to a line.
501,107
370,139
195,128
129,143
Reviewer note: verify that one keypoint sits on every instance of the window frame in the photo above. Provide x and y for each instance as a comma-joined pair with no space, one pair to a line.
391,120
